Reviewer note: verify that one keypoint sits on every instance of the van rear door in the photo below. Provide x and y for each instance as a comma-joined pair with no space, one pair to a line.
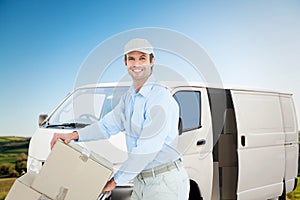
260,148
291,141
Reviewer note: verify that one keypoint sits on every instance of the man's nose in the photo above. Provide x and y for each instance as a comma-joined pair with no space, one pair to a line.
137,64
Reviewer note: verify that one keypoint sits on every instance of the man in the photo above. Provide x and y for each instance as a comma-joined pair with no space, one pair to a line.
149,116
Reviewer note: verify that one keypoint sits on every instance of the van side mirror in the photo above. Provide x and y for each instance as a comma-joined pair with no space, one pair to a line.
42,118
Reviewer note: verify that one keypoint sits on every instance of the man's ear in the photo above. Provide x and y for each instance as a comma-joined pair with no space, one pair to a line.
125,59
152,61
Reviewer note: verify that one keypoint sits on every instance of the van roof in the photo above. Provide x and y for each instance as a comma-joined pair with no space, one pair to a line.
175,84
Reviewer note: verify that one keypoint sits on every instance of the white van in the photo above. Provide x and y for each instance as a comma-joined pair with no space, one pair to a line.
236,143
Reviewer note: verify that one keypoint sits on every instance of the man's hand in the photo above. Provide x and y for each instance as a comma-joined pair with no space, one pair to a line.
110,185
65,137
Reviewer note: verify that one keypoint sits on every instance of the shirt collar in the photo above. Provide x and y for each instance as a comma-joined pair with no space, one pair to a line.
144,91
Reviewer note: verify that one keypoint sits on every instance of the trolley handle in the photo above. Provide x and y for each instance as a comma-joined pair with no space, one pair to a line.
103,196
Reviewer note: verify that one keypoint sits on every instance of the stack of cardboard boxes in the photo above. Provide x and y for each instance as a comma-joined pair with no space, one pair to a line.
69,173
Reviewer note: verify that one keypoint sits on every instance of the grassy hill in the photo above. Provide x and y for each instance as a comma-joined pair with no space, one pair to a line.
10,150
11,147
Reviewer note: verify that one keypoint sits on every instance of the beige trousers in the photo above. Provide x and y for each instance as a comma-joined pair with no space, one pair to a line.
171,185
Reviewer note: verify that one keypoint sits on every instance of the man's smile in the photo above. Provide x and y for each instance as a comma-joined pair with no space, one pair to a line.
137,70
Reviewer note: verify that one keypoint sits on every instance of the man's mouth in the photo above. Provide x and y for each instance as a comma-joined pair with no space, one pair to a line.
137,70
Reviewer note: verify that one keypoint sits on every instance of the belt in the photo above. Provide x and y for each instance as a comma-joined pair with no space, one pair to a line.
161,169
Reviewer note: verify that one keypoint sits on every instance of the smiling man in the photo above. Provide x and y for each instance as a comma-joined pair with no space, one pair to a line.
139,66
148,114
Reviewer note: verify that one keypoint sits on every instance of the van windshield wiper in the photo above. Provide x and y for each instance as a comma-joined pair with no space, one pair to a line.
73,125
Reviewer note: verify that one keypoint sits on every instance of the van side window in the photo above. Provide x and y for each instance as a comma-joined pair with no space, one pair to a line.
189,109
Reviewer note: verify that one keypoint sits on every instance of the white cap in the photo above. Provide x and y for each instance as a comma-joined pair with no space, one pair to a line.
138,44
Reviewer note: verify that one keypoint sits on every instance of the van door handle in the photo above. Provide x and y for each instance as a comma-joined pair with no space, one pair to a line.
243,140
201,142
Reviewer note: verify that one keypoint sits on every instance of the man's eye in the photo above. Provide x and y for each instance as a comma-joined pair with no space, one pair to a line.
130,58
142,58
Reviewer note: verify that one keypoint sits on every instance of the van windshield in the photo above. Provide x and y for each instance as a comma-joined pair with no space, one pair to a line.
85,106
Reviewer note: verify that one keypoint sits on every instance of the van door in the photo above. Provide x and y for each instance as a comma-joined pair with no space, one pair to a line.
291,141
260,147
195,139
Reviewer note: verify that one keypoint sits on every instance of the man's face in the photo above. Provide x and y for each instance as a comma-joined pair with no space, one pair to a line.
139,65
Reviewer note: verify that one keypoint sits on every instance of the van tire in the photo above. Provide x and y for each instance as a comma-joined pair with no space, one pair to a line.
283,195
195,193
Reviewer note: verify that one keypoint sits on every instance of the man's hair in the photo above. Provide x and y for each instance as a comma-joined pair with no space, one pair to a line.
151,58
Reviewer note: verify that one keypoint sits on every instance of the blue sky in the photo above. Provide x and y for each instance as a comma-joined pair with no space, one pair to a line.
43,44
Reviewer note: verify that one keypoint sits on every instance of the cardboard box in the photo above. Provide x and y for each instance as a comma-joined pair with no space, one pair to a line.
21,189
72,173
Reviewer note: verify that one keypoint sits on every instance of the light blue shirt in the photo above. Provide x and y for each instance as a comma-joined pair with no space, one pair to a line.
149,119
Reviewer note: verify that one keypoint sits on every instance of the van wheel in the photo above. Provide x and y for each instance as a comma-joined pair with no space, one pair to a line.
194,191
283,195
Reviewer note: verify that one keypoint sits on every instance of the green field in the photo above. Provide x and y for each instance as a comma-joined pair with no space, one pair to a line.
10,149
5,185
13,144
